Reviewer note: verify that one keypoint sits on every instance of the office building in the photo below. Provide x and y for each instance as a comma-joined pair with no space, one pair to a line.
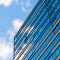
39,36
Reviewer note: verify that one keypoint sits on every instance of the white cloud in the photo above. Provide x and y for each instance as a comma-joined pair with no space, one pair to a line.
6,2
26,4
5,49
23,8
17,23
11,35
17,1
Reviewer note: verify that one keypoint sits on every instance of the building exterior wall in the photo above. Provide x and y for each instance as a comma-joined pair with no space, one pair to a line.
39,36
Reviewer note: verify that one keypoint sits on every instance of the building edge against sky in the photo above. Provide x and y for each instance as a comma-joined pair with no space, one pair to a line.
26,20
39,36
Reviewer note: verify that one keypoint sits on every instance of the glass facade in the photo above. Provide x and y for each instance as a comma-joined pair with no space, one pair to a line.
39,36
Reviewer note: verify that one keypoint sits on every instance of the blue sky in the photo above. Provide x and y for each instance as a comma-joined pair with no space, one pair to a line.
12,15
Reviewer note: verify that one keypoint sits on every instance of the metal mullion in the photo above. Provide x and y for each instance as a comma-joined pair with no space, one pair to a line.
58,57
49,49
48,45
58,54
55,47
53,50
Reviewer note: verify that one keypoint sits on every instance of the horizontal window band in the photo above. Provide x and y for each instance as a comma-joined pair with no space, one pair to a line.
48,45
53,50
55,54
45,38
45,27
58,57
